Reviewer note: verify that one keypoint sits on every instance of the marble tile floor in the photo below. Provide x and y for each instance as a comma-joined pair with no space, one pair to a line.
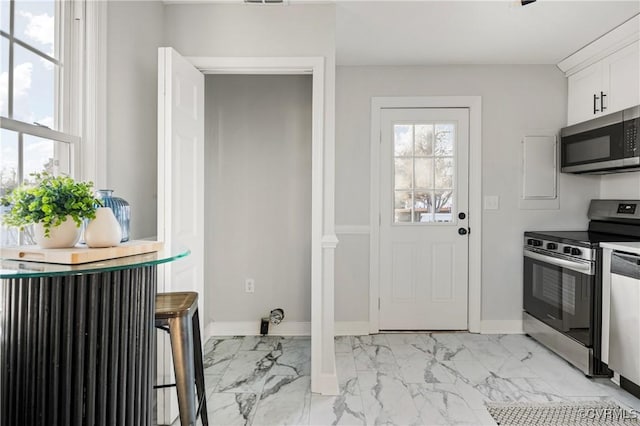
390,379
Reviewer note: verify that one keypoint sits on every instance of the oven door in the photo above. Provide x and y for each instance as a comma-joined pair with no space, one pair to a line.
559,292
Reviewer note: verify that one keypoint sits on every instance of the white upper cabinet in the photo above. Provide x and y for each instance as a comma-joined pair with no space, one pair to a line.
584,94
611,84
621,73
604,76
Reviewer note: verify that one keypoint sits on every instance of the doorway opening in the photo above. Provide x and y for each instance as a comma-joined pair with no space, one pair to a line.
178,173
257,202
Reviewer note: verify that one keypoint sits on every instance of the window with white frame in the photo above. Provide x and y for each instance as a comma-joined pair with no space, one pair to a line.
34,133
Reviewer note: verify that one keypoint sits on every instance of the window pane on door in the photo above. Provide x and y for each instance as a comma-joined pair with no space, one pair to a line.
402,140
424,169
444,173
443,202
33,88
424,173
403,173
424,139
423,207
402,203
445,139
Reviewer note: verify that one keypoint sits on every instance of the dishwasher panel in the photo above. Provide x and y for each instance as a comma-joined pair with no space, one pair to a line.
624,327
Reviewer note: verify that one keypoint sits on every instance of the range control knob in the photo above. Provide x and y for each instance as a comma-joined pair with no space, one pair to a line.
567,250
534,242
576,251
552,246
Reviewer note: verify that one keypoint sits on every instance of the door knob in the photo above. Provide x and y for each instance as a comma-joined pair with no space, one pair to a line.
462,231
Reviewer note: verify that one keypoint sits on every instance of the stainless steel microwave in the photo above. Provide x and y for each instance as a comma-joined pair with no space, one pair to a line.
606,144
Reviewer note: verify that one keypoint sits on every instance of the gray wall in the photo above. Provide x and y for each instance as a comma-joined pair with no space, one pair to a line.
132,111
515,100
249,30
621,186
258,204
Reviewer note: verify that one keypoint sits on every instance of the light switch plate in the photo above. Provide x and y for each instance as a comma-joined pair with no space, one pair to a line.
491,202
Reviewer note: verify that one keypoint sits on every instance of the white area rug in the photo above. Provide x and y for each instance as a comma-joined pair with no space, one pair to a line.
562,413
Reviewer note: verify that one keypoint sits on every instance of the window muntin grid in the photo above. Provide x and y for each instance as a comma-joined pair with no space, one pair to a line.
424,172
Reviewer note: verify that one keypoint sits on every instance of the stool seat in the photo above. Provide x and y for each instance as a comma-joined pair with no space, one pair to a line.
177,313
176,304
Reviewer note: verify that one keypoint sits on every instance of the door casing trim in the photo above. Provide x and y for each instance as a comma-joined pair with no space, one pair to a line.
474,104
324,379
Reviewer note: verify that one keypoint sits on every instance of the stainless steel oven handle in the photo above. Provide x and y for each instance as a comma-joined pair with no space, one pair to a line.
583,267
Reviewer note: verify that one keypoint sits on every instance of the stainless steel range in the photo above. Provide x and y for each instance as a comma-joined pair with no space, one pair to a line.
563,282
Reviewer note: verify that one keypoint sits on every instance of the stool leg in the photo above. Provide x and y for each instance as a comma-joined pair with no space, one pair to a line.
182,349
199,367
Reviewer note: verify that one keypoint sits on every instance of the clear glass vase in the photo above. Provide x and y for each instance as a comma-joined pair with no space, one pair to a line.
120,207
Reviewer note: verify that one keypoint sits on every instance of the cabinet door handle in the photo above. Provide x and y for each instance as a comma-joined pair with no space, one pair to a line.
595,99
602,107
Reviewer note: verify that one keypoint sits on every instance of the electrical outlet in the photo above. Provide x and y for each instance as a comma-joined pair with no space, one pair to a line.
249,285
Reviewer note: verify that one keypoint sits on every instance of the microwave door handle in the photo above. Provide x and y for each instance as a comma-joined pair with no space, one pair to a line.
582,267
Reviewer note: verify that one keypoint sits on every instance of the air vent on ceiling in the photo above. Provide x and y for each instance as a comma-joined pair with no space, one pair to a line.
266,1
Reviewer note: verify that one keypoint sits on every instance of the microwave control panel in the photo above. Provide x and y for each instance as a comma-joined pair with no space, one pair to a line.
631,138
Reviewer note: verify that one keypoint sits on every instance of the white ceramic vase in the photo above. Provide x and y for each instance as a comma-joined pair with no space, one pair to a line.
64,235
104,230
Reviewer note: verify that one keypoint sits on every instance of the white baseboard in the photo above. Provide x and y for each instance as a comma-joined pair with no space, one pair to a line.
342,328
351,328
501,327
252,328
286,328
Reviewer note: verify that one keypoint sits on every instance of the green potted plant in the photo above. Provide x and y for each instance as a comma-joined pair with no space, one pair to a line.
55,205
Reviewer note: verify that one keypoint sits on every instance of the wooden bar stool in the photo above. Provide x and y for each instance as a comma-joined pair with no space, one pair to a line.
177,313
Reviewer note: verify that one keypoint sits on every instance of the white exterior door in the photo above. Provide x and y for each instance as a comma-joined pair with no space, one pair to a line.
180,191
424,164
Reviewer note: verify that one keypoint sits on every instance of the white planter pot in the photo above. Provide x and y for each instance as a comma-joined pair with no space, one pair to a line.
104,230
64,235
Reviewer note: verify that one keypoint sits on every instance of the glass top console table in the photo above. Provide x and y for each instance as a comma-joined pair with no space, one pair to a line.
76,341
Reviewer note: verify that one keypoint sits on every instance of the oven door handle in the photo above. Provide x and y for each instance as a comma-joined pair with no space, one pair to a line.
583,267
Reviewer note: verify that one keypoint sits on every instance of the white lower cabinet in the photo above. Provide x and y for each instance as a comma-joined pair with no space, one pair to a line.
609,85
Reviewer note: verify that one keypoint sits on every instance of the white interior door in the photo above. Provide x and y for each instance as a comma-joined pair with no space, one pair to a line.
180,192
424,164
